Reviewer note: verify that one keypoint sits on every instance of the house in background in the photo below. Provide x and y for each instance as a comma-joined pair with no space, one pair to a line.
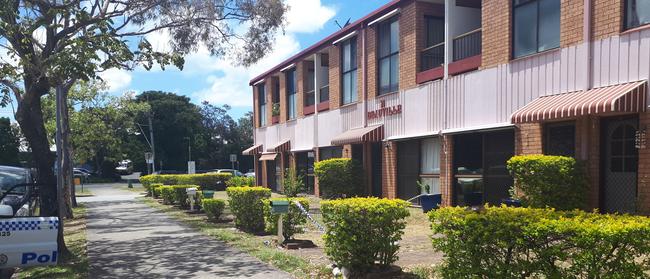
446,91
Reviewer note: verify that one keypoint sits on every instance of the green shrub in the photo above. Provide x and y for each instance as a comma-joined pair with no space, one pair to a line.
167,193
363,231
213,208
180,194
292,184
506,242
553,181
292,222
241,181
247,204
152,189
157,193
207,181
339,177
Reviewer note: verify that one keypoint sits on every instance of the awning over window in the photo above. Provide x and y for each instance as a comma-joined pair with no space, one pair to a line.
360,135
627,97
285,146
253,150
268,156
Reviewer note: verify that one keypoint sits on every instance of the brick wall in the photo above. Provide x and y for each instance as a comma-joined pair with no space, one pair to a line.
283,97
389,170
408,55
371,63
335,74
268,89
347,151
496,35
571,22
528,139
301,73
643,192
446,170
256,118
607,17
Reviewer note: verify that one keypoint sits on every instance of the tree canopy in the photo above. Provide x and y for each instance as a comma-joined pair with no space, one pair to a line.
9,143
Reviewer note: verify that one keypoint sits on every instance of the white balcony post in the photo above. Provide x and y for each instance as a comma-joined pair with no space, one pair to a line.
449,7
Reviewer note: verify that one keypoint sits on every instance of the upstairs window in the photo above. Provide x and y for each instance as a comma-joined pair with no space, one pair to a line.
433,54
349,71
536,26
637,13
290,76
388,56
261,91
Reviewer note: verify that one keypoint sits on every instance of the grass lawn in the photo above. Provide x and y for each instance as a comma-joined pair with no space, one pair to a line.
76,240
84,193
137,187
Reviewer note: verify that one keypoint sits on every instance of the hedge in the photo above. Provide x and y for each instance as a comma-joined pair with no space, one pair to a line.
207,181
361,232
339,177
240,181
506,242
167,194
292,222
247,204
213,208
180,195
153,189
549,181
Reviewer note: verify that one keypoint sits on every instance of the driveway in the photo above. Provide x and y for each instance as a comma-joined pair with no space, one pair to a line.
128,239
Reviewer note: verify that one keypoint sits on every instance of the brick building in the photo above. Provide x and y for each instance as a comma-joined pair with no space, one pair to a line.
445,91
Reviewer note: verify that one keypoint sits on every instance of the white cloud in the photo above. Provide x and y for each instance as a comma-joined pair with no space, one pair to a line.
116,79
307,16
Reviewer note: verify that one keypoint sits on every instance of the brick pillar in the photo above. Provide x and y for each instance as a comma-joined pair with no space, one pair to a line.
257,170
643,183
316,159
389,170
588,152
446,170
528,139
264,175
347,151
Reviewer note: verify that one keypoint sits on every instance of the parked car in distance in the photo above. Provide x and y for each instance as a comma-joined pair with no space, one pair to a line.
250,174
124,167
168,172
230,171
79,173
86,171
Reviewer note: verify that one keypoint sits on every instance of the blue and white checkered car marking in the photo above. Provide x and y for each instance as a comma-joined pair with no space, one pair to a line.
28,225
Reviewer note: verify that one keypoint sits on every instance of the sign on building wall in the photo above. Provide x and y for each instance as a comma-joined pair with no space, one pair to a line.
384,110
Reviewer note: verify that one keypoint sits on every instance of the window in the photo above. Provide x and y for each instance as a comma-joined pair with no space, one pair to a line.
388,56
290,76
433,54
536,26
349,71
309,88
637,13
330,152
559,139
261,91
430,164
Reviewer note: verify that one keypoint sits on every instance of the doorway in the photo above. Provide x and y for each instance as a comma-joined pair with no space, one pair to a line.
620,165
376,168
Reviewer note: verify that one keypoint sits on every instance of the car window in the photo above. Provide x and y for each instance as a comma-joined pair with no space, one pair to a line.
10,178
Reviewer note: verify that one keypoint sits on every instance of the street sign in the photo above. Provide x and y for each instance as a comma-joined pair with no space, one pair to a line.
148,157
191,167
233,158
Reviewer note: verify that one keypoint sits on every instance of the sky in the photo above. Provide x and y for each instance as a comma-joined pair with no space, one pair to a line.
205,78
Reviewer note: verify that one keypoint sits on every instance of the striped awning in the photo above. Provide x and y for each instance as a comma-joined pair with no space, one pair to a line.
285,146
255,149
360,135
268,156
627,97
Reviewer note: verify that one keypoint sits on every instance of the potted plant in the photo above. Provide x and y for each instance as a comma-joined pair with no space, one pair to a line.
275,112
427,200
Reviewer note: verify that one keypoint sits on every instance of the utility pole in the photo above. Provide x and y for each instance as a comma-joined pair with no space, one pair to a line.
153,146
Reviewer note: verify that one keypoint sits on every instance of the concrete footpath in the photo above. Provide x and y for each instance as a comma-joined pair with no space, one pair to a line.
128,239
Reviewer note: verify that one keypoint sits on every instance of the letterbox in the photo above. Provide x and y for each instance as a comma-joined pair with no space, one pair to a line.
279,206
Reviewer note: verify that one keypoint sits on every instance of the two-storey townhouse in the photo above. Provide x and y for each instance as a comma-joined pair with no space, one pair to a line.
446,91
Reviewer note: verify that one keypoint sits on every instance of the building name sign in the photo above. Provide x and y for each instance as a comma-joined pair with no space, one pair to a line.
385,111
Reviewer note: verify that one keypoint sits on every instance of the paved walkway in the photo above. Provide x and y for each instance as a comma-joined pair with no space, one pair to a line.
128,239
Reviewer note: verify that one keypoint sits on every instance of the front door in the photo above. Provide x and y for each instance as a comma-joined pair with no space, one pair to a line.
376,169
620,165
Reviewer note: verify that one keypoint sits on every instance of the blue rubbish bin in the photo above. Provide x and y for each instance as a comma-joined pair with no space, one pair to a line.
430,202
511,202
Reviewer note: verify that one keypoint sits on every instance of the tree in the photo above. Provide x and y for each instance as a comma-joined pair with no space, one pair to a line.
54,43
9,143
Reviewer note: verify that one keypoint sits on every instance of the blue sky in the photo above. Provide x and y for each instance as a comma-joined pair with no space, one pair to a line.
219,81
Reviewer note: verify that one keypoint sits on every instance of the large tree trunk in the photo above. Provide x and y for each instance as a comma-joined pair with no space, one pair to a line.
67,168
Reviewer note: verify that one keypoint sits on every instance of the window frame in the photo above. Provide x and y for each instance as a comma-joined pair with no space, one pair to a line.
546,135
389,56
291,93
352,42
626,4
261,95
514,25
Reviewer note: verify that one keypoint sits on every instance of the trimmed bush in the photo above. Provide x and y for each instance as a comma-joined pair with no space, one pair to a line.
180,194
213,208
506,242
361,232
292,222
339,177
153,190
207,181
247,204
549,181
240,181
167,194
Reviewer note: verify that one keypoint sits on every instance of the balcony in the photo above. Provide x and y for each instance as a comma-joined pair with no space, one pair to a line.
467,52
324,98
308,106
275,113
431,61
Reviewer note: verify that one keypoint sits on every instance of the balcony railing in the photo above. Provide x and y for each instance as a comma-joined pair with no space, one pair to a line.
324,94
309,98
467,45
432,57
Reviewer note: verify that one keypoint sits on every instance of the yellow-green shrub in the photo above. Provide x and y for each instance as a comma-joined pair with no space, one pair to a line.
339,177
207,181
554,181
361,232
167,194
292,221
153,189
180,194
240,181
213,208
506,242
247,204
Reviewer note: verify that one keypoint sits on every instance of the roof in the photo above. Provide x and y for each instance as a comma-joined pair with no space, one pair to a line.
329,39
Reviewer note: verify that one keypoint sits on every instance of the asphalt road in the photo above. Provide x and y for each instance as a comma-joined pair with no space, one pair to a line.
128,239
